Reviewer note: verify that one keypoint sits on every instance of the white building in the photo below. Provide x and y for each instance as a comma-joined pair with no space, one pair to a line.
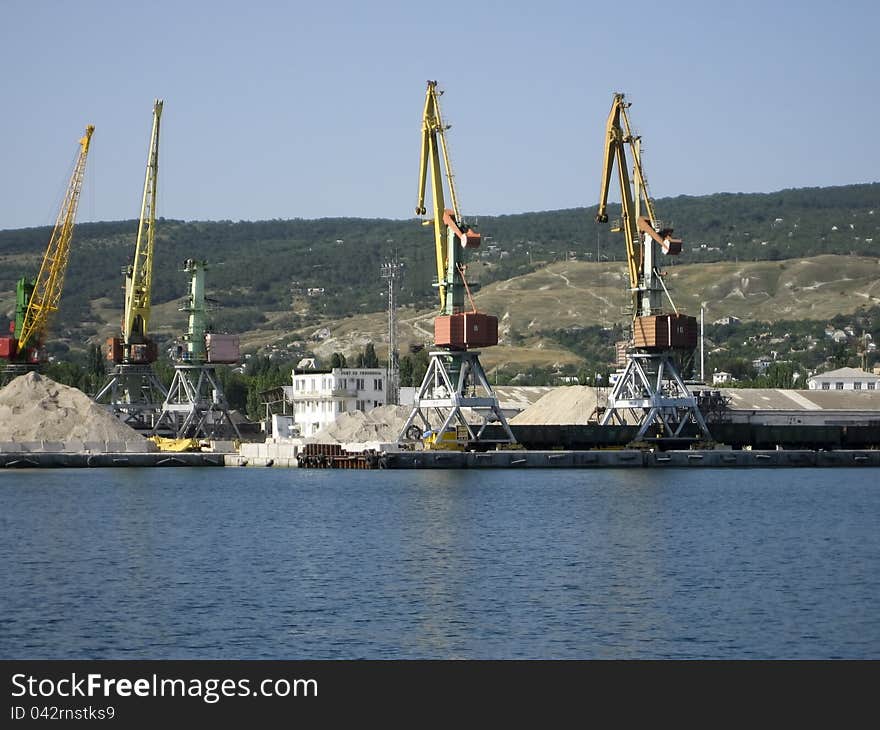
319,396
722,378
729,319
845,379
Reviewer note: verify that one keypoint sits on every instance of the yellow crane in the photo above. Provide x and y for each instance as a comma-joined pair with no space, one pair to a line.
644,234
454,379
134,346
455,328
133,391
38,299
449,228
650,391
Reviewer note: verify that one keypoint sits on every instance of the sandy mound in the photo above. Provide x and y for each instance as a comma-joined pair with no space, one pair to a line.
571,405
36,408
380,424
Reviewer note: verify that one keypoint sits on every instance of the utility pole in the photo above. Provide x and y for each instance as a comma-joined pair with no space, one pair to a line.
702,350
391,271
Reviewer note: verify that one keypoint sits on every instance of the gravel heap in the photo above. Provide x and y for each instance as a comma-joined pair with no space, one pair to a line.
380,424
567,406
36,408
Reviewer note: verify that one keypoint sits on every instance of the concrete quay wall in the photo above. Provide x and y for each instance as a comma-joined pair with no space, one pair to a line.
627,458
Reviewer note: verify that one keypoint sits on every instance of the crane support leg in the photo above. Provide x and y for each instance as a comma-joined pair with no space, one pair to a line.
133,394
652,393
195,406
455,380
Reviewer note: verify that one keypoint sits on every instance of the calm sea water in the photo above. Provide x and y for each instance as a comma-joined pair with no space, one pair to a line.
301,564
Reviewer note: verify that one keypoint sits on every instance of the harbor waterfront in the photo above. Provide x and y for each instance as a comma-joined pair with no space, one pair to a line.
315,564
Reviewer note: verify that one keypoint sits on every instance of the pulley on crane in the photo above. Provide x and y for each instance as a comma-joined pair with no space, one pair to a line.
37,299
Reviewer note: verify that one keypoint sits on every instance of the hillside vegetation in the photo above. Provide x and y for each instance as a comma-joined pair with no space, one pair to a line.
300,286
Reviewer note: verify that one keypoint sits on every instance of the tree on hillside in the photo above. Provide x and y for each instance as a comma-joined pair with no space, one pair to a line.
368,358
95,362
413,368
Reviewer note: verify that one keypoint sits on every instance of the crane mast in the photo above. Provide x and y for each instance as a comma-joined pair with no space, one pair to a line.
38,299
195,405
454,374
139,275
650,390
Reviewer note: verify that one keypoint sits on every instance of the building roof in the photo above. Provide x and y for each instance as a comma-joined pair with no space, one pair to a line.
778,399
842,373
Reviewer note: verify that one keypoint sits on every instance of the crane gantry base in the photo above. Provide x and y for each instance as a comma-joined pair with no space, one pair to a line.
452,383
134,395
652,392
195,406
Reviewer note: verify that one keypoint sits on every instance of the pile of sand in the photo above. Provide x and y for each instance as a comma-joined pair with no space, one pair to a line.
380,424
36,408
568,406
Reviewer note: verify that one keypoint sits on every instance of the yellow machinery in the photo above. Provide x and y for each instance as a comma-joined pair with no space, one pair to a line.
133,392
650,391
455,378
173,444
37,300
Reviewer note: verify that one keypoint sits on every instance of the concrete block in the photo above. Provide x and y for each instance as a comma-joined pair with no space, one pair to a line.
95,447
248,450
281,451
74,446
222,447
136,446
114,447
52,447
10,447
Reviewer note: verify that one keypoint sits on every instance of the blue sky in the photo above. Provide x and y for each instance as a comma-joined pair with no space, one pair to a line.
289,109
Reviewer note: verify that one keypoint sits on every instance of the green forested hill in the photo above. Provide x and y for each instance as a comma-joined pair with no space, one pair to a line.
267,267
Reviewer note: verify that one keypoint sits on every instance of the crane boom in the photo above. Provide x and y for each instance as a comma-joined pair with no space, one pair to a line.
139,276
640,227
49,283
449,228
432,131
